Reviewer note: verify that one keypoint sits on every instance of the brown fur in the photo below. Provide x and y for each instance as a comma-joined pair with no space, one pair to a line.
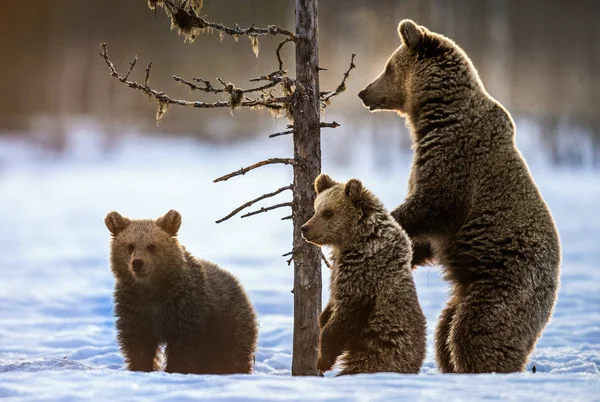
472,204
373,318
199,311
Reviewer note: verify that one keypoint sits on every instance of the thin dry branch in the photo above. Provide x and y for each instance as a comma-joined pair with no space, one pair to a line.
131,66
289,261
208,88
325,96
192,20
267,209
243,171
324,259
333,124
287,217
278,52
286,132
249,203
269,102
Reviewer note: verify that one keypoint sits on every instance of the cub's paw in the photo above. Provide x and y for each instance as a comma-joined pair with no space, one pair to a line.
325,363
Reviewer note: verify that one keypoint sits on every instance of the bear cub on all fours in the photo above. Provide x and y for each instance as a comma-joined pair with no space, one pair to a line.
373,318
165,296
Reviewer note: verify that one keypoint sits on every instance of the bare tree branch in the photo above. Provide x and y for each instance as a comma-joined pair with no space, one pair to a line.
192,20
281,133
249,203
131,66
267,209
289,261
278,52
326,96
333,124
243,171
287,217
110,66
208,88
270,102
325,259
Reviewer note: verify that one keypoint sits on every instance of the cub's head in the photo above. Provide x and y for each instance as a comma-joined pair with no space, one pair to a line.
341,211
144,249
413,64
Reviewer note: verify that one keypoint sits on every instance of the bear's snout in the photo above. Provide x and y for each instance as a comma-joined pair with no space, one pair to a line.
304,228
137,265
361,94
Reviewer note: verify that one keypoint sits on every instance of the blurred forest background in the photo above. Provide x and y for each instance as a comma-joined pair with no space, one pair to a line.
541,59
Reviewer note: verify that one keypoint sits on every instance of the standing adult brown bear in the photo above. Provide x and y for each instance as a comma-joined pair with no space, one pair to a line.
472,205
373,319
165,296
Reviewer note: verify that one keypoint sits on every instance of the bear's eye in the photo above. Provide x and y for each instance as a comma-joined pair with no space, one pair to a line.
130,247
151,247
327,214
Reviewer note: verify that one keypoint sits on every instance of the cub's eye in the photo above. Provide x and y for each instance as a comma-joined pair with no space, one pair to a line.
327,214
151,247
130,247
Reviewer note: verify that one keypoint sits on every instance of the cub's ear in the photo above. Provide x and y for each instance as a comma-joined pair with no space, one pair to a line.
410,33
360,196
170,222
115,222
354,190
323,182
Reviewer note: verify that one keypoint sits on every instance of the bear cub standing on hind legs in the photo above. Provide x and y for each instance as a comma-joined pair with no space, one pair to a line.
163,295
373,318
472,205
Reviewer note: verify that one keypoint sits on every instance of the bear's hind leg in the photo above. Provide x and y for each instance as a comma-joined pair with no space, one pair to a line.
488,336
442,335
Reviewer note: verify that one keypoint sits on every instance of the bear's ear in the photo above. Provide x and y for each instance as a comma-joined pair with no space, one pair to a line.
170,222
354,190
115,222
360,196
410,33
323,182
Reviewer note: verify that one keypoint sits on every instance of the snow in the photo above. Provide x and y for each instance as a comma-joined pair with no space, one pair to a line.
57,336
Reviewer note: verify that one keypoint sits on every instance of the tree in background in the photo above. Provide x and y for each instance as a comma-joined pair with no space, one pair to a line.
301,102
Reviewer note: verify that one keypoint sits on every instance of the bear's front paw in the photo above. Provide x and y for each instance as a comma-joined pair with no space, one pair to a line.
325,363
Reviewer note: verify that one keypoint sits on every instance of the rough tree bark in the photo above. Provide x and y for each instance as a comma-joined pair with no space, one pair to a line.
307,154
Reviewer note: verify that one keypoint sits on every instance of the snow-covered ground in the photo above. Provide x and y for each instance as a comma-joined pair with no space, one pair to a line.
57,336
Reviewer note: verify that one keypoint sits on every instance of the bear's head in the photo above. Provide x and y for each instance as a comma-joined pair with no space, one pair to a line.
143,250
341,212
418,62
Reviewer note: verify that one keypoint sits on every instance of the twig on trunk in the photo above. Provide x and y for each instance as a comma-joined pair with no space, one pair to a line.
243,171
287,217
289,261
267,209
325,259
250,203
326,96
281,133
333,124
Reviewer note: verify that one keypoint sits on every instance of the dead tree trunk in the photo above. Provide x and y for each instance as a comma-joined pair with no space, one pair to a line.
307,154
